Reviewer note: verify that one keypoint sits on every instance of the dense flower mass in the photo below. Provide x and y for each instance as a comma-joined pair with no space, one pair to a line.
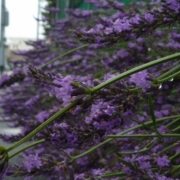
131,26
102,110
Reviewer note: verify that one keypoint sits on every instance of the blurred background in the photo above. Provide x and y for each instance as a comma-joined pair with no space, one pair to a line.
19,23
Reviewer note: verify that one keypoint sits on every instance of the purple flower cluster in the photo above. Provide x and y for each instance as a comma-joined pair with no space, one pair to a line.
132,26
7,80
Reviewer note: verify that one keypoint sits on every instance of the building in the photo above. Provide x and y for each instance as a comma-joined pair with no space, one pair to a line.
16,44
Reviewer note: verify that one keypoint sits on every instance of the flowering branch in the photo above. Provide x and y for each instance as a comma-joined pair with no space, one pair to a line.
168,72
134,70
171,77
94,90
120,134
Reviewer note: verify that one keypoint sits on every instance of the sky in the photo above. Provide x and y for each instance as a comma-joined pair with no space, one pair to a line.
22,14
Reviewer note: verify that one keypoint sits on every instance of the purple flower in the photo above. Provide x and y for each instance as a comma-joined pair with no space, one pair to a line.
3,79
173,5
32,161
157,148
83,161
135,19
143,162
65,91
149,17
127,170
163,161
162,129
159,177
122,25
77,13
42,116
31,102
140,79
108,30
79,176
96,172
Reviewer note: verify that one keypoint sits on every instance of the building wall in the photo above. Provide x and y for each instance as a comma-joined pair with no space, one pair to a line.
16,44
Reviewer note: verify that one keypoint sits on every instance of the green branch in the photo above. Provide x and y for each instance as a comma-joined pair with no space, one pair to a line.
66,53
169,77
169,72
42,126
27,147
93,90
134,70
122,133
144,135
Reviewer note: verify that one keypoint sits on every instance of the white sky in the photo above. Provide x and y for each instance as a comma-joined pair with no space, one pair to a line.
22,21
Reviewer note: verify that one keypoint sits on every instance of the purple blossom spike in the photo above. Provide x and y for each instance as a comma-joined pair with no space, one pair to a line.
163,161
140,79
149,17
32,161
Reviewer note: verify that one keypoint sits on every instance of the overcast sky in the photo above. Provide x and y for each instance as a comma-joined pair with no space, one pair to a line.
21,18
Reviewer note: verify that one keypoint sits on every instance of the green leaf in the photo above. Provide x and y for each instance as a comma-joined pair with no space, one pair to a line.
152,113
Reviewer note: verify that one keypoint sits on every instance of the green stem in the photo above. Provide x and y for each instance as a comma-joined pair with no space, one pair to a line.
168,72
144,135
27,147
146,148
169,147
176,129
69,61
124,132
135,152
116,174
95,89
43,125
169,77
174,156
171,123
66,53
135,89
134,70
